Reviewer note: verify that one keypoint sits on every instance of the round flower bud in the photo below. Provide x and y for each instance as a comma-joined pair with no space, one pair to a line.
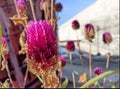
107,38
58,7
70,46
98,71
63,60
75,25
89,32
21,5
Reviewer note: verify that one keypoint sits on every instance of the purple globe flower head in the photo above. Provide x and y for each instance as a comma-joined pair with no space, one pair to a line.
4,46
89,32
58,7
98,71
63,60
3,40
107,38
70,46
21,5
41,43
75,25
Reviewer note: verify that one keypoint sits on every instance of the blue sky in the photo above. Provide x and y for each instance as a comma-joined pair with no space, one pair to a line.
71,8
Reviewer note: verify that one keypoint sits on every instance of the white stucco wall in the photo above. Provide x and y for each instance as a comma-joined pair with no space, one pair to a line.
103,13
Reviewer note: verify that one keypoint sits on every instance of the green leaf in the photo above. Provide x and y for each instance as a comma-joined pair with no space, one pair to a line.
65,83
6,84
76,73
112,84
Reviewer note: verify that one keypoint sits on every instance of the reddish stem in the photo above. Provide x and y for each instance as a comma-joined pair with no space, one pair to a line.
90,61
25,77
81,59
107,66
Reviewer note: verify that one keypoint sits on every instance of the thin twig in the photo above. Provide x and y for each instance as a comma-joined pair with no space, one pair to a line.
8,72
52,3
25,78
16,8
33,12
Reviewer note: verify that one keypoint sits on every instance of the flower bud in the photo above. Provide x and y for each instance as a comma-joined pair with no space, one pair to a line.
21,5
75,25
63,60
98,71
107,38
70,46
89,32
58,7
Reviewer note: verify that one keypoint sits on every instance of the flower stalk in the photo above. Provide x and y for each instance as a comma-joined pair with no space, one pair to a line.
90,61
107,39
17,9
33,12
25,78
73,75
81,59
107,65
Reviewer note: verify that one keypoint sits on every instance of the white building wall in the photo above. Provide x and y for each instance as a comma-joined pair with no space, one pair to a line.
103,13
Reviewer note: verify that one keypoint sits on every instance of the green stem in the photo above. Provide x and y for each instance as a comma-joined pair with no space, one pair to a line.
40,79
92,81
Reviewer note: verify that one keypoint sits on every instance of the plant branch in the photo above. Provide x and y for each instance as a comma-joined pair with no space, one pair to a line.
105,74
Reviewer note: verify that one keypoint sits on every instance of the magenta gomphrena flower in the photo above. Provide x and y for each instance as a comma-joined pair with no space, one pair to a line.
4,45
98,71
3,40
42,43
70,46
21,5
107,38
63,60
89,32
58,7
75,25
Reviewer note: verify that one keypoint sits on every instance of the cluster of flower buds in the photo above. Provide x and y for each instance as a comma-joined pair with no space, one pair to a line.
89,32
75,25
70,46
98,71
58,7
107,38
21,5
